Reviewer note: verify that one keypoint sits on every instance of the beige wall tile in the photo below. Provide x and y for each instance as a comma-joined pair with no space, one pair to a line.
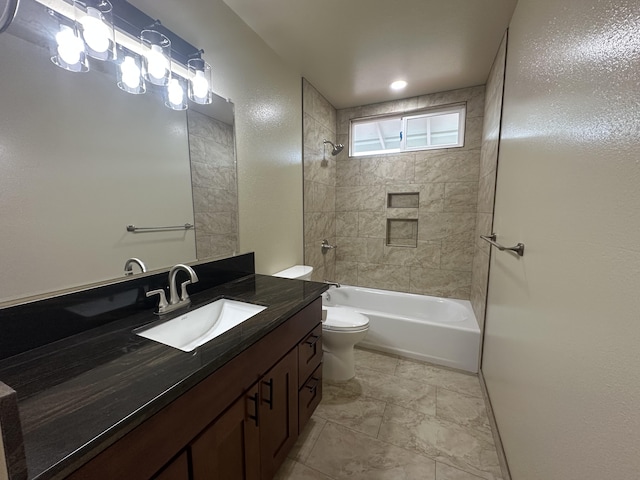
346,272
460,197
486,192
452,166
347,224
363,198
387,169
371,224
457,253
441,283
388,277
348,172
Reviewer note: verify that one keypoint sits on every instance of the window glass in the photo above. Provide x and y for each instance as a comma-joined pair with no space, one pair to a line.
376,136
436,128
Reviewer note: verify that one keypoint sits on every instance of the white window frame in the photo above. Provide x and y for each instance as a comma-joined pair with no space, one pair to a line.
461,109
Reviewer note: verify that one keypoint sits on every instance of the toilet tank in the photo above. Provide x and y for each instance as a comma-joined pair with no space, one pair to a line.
301,272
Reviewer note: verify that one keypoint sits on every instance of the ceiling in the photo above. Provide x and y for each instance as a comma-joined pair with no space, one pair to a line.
351,50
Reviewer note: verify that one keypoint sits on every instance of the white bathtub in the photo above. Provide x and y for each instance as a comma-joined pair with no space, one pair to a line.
437,330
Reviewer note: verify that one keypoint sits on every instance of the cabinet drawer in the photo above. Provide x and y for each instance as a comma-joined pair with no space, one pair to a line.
309,354
309,397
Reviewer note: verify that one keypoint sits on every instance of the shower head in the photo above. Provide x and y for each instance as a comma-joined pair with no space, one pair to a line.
336,148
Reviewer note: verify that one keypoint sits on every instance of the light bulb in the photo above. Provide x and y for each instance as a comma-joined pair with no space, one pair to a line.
95,31
70,47
156,62
175,91
130,73
200,85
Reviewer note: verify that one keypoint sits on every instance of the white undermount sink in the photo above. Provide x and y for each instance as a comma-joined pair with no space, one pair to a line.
198,326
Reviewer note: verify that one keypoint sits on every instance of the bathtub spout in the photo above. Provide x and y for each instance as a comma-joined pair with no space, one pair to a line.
334,284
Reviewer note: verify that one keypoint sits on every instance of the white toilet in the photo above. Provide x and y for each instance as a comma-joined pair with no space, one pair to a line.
301,272
341,330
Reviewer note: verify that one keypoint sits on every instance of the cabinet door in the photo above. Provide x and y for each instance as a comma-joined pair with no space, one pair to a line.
278,413
178,469
230,448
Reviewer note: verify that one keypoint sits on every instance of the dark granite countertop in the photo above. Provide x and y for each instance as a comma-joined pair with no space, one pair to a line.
80,394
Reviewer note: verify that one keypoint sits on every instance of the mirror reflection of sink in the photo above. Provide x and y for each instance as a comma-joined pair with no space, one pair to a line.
198,326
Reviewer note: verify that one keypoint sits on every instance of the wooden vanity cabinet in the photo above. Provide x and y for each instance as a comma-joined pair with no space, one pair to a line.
252,438
239,423
230,447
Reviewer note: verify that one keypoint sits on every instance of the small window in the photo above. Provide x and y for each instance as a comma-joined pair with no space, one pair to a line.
440,128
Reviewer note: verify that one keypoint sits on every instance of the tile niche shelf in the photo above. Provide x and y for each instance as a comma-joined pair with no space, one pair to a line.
403,200
402,232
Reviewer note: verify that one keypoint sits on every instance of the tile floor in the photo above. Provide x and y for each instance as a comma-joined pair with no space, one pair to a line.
397,419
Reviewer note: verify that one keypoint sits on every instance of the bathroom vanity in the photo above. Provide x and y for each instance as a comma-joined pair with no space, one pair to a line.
107,403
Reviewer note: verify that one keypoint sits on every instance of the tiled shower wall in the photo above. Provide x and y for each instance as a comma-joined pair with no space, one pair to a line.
319,123
447,183
487,183
214,184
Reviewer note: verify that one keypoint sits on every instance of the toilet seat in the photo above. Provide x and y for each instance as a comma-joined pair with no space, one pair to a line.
344,320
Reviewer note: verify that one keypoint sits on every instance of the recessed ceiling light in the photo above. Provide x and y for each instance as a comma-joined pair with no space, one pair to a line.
398,85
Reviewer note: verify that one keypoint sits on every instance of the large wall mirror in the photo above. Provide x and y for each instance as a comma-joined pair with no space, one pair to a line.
80,160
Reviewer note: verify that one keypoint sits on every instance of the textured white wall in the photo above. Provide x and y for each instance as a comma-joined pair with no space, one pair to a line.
268,112
563,322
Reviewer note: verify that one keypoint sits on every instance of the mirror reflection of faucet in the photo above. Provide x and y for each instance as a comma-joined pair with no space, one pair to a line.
325,246
128,266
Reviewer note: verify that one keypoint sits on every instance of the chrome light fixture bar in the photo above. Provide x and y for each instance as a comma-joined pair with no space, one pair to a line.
143,49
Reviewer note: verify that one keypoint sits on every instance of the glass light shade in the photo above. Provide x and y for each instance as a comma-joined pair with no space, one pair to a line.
157,57
176,93
69,50
130,78
199,81
95,20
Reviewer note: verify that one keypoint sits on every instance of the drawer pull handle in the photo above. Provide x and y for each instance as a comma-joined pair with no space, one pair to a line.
312,340
270,400
256,417
312,384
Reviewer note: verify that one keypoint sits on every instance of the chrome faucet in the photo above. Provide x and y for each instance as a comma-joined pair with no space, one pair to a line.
128,266
175,301
333,284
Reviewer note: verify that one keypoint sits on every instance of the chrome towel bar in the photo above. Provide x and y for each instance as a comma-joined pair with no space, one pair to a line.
519,248
134,229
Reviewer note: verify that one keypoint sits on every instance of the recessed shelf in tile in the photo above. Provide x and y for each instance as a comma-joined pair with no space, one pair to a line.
403,200
402,232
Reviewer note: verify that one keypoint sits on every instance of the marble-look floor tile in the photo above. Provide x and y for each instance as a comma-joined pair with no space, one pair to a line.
350,409
462,409
292,470
440,377
466,448
307,438
376,361
387,388
344,454
447,472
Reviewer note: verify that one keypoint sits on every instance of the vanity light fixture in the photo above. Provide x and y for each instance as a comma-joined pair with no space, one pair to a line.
199,81
69,49
95,21
176,93
156,49
130,78
147,55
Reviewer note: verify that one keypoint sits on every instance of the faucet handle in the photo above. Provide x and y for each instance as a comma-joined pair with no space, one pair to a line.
162,304
184,295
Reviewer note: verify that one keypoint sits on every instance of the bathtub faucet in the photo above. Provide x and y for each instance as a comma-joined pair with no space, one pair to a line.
334,284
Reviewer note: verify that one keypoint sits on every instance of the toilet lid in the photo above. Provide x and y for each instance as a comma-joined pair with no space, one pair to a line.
344,320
